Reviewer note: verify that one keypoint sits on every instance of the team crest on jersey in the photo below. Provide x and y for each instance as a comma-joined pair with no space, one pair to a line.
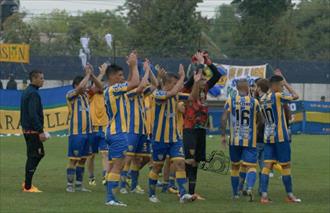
192,152
160,156
130,148
75,152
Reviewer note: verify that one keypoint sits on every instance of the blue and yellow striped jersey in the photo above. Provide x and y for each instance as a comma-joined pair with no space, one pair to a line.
79,116
243,120
136,114
165,122
115,102
276,129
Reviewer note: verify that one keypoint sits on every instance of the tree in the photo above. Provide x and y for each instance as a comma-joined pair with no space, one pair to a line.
265,29
312,20
223,28
163,28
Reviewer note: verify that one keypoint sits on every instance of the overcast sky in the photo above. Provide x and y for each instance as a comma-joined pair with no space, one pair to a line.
45,6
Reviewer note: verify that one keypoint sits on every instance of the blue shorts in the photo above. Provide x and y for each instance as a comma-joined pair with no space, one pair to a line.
277,152
79,146
161,150
138,144
248,155
98,141
117,145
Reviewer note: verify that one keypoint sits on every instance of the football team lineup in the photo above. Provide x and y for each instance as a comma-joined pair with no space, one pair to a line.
158,120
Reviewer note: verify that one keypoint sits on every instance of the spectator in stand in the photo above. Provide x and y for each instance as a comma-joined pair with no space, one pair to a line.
11,85
322,98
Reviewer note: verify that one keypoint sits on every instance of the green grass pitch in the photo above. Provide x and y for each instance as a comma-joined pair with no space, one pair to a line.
311,181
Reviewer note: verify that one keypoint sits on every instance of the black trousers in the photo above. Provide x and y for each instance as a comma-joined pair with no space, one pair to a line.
35,152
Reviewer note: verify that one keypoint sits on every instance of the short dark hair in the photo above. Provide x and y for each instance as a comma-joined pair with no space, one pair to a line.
263,84
112,69
34,74
77,80
275,79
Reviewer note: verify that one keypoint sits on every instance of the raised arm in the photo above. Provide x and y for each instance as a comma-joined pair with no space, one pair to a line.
82,85
95,79
178,86
133,81
144,80
294,94
194,95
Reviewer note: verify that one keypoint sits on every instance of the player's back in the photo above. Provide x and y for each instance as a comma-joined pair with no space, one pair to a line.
115,102
79,113
243,120
98,110
276,129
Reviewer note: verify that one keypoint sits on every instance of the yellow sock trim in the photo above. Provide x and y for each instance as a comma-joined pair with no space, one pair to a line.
234,172
285,172
126,167
265,171
252,170
135,167
277,167
153,175
180,174
243,169
113,177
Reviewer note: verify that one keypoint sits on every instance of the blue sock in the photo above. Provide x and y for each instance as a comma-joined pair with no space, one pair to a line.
264,179
79,174
104,173
259,189
153,177
70,172
234,184
123,176
251,179
165,186
287,181
134,178
242,176
181,180
171,182
112,184
129,173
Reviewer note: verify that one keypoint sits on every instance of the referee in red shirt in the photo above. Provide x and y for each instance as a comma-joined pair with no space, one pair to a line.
196,118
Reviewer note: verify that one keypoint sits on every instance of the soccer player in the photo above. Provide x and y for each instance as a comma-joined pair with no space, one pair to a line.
165,139
79,129
32,121
276,137
243,112
116,132
196,119
99,122
138,153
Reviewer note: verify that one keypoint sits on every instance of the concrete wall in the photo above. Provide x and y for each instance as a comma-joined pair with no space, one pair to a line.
307,92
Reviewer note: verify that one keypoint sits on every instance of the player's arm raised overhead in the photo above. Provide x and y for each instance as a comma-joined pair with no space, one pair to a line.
153,80
95,79
144,81
194,95
293,93
133,80
179,84
80,89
